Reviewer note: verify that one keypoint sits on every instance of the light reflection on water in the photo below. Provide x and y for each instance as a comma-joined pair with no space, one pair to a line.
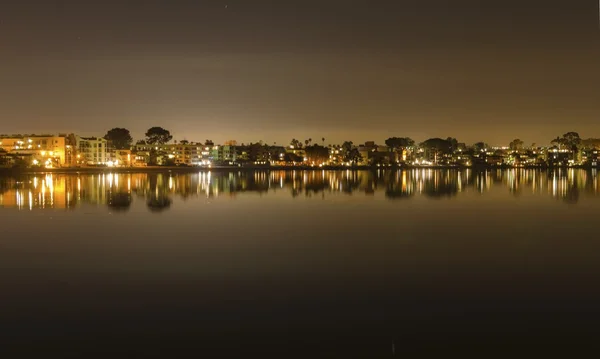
369,254
158,190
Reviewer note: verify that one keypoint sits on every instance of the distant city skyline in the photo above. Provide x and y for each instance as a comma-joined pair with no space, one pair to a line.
380,139
262,69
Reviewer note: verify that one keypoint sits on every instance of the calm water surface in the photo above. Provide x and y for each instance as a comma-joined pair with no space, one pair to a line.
299,263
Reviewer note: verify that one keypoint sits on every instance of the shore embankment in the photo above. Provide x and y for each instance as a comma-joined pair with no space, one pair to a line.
183,169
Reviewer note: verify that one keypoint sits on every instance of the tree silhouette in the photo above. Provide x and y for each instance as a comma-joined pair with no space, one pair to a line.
119,201
317,153
516,145
479,146
120,138
437,146
158,136
295,143
399,142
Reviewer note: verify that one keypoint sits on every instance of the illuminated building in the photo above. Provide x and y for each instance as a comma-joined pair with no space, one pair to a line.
42,150
92,151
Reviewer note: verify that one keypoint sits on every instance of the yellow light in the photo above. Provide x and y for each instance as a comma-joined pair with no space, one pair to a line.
43,153
36,162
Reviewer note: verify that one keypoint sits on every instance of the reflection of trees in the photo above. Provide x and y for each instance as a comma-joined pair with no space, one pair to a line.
157,203
399,185
158,190
6,184
120,201
158,198
515,182
349,185
441,184
315,188
572,195
395,192
566,185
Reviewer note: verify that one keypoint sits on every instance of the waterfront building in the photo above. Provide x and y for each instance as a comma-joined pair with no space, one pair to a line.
123,158
92,151
40,150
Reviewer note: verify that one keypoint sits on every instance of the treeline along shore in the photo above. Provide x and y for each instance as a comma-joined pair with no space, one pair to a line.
159,152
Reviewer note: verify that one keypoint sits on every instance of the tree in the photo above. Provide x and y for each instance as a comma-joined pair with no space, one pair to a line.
557,142
479,146
184,142
323,139
258,152
571,140
516,145
437,146
354,156
350,153
317,153
158,136
399,142
347,147
291,157
295,143
120,138
453,143
209,143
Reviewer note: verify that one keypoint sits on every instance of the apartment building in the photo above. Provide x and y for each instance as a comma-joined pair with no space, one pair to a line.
41,150
92,151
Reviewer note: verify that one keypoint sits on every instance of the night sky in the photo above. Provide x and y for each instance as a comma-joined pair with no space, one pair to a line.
254,70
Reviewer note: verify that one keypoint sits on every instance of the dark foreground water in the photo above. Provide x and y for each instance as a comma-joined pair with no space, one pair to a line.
300,264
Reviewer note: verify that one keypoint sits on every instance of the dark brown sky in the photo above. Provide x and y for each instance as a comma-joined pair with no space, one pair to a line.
273,70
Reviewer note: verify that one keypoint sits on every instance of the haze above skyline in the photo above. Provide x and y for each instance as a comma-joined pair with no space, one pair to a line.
273,71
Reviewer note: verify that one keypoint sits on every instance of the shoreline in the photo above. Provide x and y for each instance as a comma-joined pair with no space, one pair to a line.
177,169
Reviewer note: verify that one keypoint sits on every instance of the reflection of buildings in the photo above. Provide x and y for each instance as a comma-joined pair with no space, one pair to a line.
47,191
119,191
